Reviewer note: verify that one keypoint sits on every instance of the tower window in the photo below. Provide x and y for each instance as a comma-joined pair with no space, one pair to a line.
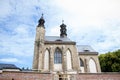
57,56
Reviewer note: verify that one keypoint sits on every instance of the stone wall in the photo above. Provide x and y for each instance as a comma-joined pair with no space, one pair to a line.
7,75
64,48
98,76
86,58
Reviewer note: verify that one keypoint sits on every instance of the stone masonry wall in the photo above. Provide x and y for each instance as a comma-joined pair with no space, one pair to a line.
8,75
25,76
98,76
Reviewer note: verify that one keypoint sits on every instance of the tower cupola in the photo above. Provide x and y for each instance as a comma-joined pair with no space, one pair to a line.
41,22
63,30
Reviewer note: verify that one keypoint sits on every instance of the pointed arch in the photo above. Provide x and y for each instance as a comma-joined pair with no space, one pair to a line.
69,59
92,66
81,63
57,56
57,59
82,66
46,60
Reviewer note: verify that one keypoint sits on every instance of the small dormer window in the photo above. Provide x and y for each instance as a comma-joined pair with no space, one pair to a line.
58,40
86,50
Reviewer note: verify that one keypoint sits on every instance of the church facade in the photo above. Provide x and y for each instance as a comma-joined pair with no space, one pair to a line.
58,54
58,58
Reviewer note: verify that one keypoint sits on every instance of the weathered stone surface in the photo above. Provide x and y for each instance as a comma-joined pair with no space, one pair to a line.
25,76
64,44
98,76
8,75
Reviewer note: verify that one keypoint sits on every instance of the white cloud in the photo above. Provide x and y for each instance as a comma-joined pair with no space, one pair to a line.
9,60
22,29
54,31
89,12
5,10
88,20
93,22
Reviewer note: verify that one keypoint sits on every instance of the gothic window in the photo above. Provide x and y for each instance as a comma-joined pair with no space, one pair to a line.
69,60
81,63
58,56
92,66
46,60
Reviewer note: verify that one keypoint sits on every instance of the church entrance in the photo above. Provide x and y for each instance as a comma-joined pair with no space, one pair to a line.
64,77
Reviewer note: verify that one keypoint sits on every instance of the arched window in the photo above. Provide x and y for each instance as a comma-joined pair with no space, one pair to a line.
81,63
69,60
92,66
57,56
46,60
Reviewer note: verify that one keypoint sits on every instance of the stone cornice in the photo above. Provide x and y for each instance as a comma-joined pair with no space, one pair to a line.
60,42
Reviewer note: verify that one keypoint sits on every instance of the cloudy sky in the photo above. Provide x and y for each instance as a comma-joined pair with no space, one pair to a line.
89,22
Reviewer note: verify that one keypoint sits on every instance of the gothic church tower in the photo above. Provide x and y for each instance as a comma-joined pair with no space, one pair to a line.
39,43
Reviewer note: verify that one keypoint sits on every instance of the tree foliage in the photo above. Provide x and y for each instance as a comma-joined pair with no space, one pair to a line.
110,62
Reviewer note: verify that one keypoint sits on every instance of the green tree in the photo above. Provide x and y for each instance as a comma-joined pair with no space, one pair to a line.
110,62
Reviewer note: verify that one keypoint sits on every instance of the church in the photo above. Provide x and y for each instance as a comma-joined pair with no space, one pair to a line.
58,58
59,54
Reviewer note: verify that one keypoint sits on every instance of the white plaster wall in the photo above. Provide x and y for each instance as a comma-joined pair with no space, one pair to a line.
57,67
82,69
69,63
46,60
92,66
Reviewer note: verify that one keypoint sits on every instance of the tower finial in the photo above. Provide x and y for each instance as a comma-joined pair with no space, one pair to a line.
42,15
62,21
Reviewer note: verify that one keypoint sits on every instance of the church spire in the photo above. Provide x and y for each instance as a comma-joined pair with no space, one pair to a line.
41,22
63,30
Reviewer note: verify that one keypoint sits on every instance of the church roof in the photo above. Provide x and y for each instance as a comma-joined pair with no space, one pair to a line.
8,66
57,39
85,49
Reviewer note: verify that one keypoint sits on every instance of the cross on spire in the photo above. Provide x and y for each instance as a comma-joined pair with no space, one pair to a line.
62,21
42,14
